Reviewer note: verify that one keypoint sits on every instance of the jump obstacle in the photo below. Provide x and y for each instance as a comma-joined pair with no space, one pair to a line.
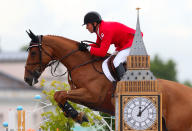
19,123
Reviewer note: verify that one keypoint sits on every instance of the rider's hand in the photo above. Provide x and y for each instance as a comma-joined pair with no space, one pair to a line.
83,46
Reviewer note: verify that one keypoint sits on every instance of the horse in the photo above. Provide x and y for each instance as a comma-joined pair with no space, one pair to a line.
90,87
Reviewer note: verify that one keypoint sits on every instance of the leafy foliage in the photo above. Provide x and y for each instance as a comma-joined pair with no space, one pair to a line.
57,118
165,70
188,83
108,120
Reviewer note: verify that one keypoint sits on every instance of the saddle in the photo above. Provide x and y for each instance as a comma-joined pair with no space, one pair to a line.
112,67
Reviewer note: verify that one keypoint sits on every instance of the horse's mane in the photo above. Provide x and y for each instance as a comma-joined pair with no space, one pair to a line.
64,38
75,42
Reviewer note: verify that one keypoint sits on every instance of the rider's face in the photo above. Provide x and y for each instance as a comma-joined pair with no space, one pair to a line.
89,26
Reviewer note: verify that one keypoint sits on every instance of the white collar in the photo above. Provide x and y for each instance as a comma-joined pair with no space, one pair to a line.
98,32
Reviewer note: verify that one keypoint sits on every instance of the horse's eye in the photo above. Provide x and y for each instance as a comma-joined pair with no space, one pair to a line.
33,53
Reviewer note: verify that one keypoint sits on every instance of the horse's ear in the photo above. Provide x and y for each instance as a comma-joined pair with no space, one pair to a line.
33,37
28,33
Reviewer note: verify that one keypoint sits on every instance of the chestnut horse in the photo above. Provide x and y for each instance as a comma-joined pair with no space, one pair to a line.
91,88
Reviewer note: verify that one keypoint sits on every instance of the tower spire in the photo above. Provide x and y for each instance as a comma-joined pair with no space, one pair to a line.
138,61
138,47
138,23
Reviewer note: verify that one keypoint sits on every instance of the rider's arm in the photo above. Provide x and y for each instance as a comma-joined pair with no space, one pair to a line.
104,45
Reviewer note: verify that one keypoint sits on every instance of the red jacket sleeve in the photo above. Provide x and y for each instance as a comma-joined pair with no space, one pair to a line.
104,45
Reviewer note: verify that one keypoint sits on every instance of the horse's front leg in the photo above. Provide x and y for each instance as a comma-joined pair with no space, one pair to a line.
61,98
81,95
69,111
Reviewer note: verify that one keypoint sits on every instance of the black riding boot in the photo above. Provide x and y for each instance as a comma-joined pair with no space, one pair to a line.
120,71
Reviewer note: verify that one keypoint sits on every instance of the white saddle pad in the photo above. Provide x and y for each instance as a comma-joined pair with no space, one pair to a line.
106,70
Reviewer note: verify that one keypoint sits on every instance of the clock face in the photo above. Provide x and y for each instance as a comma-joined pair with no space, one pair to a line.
140,113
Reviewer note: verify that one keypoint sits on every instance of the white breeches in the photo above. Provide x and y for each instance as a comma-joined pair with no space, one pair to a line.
121,57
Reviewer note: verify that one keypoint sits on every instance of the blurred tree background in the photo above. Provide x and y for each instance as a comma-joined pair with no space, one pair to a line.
24,48
164,69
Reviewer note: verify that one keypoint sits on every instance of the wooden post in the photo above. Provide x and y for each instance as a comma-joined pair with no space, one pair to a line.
21,118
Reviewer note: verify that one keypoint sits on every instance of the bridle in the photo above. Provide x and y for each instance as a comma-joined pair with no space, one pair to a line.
38,71
39,45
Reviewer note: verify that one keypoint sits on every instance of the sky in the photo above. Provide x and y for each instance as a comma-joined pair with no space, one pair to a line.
166,24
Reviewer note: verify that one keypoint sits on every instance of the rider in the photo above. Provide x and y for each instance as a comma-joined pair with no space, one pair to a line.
108,33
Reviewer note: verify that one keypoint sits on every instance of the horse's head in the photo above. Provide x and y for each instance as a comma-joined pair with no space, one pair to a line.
39,55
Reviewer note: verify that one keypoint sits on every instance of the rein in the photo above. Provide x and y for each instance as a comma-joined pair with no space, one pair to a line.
39,45
58,61
88,62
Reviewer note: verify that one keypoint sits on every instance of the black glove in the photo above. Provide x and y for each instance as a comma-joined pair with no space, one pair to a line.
83,46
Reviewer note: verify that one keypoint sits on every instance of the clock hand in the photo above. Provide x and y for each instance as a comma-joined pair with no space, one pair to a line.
140,112
139,107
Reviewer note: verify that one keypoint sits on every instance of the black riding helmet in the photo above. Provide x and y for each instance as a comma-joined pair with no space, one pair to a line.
92,17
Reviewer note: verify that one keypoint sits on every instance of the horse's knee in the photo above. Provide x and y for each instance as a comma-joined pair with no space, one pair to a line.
56,96
60,96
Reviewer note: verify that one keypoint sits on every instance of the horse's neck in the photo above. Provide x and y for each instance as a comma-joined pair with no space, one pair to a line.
62,47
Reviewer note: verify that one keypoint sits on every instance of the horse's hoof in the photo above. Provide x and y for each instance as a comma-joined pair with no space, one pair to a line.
66,115
84,119
81,118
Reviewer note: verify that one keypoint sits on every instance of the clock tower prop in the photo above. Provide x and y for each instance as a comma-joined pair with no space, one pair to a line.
138,97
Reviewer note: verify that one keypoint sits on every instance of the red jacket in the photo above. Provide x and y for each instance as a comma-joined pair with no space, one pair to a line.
112,33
